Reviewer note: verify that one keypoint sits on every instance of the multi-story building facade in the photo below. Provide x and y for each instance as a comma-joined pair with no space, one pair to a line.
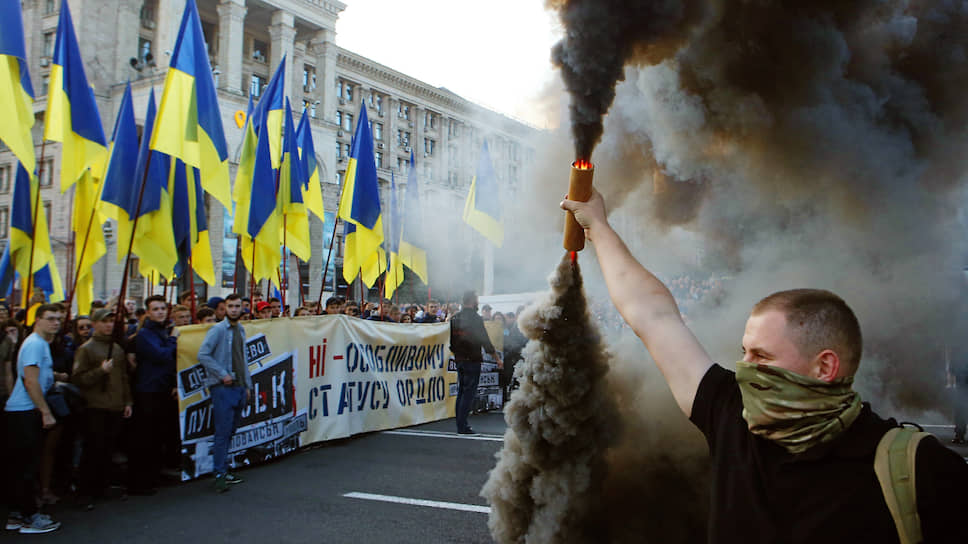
130,40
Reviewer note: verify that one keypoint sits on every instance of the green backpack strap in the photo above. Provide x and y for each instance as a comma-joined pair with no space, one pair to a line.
894,464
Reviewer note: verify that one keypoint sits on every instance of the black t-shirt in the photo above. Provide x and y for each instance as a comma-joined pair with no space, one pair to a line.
829,494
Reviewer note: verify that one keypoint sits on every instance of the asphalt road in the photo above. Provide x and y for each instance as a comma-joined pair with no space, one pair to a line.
303,497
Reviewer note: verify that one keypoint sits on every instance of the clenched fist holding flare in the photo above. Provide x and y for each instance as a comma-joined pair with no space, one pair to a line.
579,189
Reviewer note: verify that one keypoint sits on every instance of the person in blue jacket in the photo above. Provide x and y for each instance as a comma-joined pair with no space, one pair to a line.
154,387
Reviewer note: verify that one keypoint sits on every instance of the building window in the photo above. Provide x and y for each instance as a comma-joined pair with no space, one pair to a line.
4,221
50,7
377,131
403,111
47,212
376,102
47,176
148,14
339,118
403,164
453,128
339,150
48,44
430,120
309,78
347,122
211,38
348,92
44,84
346,150
5,172
144,50
255,85
428,147
403,138
259,50
378,157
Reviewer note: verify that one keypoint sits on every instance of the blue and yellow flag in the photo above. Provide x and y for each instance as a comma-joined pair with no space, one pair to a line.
312,192
413,247
482,210
16,92
119,195
268,111
89,244
293,209
242,189
262,241
359,206
190,224
29,233
72,117
189,125
154,238
395,271
122,185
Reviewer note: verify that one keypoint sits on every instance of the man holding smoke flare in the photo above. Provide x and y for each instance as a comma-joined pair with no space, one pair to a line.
792,445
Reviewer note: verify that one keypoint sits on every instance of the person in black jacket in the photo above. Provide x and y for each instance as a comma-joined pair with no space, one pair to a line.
154,387
467,338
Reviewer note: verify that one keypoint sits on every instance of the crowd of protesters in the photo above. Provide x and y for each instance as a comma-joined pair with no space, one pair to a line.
91,403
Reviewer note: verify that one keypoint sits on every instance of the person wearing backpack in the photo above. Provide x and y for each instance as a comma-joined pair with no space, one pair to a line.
794,449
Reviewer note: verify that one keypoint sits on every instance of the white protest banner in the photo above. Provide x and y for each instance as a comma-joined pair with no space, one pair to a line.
314,379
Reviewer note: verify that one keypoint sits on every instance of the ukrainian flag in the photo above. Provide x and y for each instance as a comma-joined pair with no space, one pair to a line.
413,252
395,272
88,237
16,93
359,206
189,223
29,233
312,192
154,243
189,125
268,111
119,195
263,238
72,117
291,182
482,210
242,189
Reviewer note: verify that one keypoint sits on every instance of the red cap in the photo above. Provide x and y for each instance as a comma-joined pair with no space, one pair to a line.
261,306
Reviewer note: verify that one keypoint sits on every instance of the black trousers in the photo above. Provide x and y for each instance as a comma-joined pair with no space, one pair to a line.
100,431
25,438
148,439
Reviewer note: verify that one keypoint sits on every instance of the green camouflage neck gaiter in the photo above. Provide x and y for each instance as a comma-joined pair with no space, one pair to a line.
797,412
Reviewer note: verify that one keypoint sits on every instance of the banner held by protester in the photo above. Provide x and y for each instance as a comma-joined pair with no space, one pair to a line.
316,379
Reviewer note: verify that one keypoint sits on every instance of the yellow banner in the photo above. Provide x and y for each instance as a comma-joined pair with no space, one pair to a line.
318,378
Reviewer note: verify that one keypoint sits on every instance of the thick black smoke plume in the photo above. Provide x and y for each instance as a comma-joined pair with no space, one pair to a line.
547,484
601,36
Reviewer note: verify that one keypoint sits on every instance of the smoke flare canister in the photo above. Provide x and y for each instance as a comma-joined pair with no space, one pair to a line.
579,189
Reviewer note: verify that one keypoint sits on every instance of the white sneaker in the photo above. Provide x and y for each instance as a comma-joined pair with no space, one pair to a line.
14,521
39,523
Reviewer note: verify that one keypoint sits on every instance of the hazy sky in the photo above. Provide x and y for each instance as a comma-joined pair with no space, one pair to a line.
495,53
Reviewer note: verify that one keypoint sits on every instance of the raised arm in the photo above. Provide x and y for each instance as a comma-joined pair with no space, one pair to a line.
645,303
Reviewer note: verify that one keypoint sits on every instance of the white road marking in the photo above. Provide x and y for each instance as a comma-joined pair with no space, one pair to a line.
938,426
441,434
420,502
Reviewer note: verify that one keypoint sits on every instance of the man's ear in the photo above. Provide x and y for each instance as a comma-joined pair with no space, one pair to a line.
827,366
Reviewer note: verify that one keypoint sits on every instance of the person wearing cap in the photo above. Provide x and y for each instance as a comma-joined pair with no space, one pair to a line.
263,310
99,372
217,304
225,359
